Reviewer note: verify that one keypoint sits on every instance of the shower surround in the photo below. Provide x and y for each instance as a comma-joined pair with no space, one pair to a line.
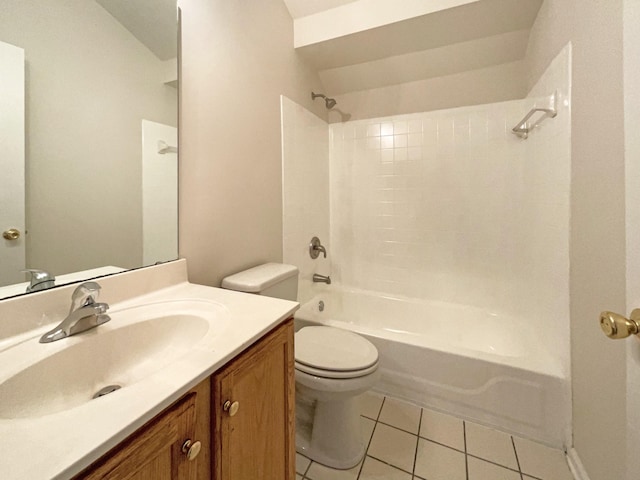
446,206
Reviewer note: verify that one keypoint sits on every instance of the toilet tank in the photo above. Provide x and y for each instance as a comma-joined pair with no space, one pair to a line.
270,279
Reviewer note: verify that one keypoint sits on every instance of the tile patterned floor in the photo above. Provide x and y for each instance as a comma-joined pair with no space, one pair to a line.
406,442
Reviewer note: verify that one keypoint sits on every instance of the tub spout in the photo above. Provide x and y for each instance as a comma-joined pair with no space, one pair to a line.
321,279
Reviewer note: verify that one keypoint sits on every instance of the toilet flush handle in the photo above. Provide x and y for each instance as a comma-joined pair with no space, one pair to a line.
231,408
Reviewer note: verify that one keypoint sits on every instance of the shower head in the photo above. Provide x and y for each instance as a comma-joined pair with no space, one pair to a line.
329,102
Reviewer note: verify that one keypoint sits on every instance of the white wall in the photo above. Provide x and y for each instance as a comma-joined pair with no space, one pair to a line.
485,85
89,84
237,59
597,222
305,194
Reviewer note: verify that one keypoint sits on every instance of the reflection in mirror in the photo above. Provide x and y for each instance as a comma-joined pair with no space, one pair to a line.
88,137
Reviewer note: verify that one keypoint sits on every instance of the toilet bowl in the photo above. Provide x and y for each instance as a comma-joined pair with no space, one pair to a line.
332,367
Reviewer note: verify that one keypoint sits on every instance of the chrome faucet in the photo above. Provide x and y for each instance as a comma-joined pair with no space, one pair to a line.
321,279
40,280
84,314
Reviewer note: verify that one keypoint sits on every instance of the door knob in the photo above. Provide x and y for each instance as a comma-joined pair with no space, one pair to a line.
617,326
11,234
191,449
231,408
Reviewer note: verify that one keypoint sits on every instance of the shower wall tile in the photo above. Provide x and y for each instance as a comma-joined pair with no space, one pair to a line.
452,206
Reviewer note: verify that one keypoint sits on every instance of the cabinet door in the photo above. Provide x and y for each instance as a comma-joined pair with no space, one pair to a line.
254,438
155,451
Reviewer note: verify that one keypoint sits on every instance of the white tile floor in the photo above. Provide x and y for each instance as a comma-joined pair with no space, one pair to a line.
406,442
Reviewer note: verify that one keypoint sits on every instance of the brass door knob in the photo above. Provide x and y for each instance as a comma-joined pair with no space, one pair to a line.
231,408
11,234
617,326
191,449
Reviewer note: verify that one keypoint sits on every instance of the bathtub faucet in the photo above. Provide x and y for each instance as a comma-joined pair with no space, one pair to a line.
321,279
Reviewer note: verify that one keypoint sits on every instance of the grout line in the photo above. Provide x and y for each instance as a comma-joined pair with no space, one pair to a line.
370,438
402,429
390,464
466,458
308,468
304,475
381,407
415,457
494,463
532,477
517,459
441,444
419,437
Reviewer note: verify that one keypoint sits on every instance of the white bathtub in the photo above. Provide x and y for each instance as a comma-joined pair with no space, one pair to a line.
458,359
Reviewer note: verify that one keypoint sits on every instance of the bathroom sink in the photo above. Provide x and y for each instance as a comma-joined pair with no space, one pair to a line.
137,343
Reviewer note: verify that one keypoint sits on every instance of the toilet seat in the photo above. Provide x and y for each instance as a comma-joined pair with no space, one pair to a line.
330,352
318,372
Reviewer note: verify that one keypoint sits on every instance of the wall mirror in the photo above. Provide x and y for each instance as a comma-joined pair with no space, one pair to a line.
88,137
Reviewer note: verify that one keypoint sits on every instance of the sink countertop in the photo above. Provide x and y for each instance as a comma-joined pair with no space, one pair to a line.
60,445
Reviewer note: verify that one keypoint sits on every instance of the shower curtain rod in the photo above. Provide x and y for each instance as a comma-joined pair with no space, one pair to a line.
523,127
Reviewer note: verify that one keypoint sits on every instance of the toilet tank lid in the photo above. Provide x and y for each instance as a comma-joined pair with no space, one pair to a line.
258,279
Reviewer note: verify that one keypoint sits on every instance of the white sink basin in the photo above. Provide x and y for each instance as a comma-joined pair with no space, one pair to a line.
137,343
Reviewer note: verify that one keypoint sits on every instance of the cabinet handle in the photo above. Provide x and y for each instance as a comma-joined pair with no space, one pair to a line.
231,408
191,450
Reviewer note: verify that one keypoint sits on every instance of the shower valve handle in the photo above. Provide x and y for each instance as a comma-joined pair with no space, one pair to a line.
316,247
617,326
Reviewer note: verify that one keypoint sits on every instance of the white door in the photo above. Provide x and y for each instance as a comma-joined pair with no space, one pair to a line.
632,200
12,141
159,192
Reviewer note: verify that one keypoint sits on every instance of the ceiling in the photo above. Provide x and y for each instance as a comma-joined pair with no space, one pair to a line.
153,22
455,37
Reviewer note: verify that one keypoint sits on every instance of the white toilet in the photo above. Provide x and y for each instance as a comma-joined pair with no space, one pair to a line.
333,366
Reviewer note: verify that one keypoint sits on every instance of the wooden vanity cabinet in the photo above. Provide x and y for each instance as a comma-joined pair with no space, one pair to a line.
253,400
154,452
243,416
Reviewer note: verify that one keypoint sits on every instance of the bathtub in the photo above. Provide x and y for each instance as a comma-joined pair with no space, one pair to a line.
482,366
